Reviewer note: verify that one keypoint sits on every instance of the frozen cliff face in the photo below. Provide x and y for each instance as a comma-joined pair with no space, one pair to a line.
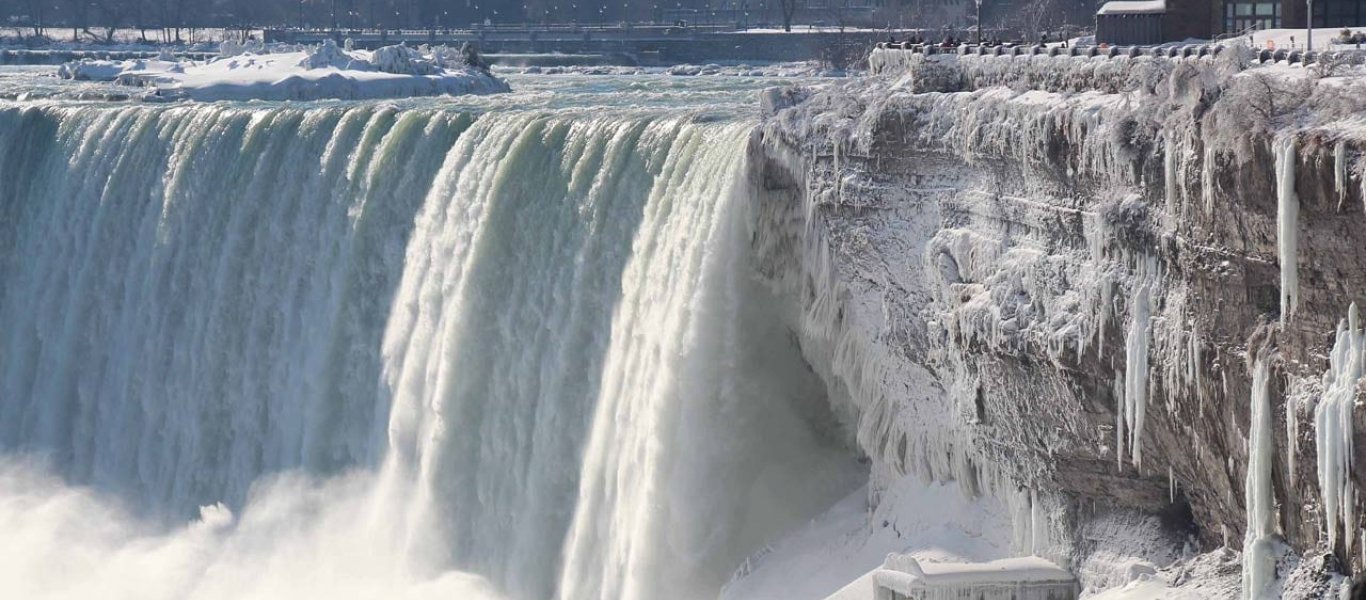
1045,280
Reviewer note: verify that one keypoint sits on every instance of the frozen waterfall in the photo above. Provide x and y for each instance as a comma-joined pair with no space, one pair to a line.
523,345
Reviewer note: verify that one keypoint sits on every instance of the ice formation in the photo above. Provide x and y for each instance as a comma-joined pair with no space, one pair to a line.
1340,171
1292,436
1136,372
1287,225
1025,578
1169,174
323,71
1259,563
1333,427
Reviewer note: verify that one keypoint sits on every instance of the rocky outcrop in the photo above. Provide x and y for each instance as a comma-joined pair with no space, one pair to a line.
1057,297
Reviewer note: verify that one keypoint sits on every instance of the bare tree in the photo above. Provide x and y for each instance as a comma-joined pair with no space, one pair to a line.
789,10
1039,16
35,16
113,13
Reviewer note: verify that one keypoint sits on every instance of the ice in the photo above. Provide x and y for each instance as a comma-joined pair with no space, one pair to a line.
1024,578
1259,568
323,71
837,553
1292,436
109,70
1136,372
1171,485
1287,225
1333,429
1340,171
1169,175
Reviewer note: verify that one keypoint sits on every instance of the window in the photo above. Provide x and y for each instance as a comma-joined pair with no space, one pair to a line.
1339,13
1240,15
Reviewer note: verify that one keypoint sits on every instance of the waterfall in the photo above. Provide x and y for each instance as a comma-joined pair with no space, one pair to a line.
524,345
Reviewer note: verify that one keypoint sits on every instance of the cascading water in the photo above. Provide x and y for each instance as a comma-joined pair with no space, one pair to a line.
532,338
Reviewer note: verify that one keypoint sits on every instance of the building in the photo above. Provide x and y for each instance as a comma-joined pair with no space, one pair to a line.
1125,22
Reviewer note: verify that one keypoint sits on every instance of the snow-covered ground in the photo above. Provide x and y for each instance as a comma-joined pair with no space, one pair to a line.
836,553
325,71
1325,38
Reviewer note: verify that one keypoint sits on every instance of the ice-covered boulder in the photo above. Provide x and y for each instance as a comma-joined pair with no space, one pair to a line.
327,54
402,60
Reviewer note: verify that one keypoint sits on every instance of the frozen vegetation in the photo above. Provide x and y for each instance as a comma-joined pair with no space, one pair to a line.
324,71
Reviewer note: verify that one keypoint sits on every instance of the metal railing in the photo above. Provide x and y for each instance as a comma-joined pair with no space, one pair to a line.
1189,51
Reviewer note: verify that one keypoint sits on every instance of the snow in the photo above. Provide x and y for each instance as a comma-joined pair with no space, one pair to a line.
1295,39
1287,225
992,289
109,70
1259,568
834,556
325,71
1024,578
1333,429
1133,7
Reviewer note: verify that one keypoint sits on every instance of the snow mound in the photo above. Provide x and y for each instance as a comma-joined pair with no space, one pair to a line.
326,71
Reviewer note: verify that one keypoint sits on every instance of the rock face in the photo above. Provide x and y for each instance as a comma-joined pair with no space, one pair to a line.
1057,296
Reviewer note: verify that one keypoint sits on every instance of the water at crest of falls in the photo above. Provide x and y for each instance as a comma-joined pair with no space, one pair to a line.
415,349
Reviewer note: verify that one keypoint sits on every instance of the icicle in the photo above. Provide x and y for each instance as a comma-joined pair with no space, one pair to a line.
1037,525
1207,178
1169,175
1193,346
1106,292
1340,171
1171,485
1333,423
1287,225
1292,435
1136,372
1259,565
1119,420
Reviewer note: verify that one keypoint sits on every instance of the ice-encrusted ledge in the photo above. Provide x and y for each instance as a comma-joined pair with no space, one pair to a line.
1048,283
